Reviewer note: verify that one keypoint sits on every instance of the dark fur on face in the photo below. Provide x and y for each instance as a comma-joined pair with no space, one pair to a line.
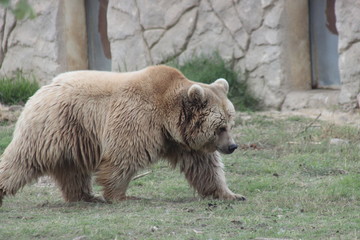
191,118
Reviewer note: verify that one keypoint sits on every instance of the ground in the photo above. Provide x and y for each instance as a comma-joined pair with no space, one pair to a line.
298,184
332,116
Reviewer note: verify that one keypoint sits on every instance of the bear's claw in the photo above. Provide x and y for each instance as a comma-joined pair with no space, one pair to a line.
240,197
94,199
233,196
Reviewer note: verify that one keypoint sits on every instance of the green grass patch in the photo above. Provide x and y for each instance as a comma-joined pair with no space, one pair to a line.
297,184
17,89
346,188
5,136
207,69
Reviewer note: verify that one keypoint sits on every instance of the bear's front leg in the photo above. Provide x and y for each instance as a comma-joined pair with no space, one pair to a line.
204,171
115,180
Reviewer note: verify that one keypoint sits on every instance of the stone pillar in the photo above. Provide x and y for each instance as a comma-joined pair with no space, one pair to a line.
73,38
296,58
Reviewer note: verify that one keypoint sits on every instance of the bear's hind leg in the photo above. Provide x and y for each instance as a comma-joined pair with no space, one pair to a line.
15,175
75,185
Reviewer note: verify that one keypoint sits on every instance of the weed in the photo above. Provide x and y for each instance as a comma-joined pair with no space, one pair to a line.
345,188
5,136
17,89
207,69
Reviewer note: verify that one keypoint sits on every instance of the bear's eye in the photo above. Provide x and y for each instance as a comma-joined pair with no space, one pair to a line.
222,129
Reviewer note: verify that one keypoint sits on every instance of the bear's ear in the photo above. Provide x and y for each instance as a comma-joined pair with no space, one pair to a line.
196,93
221,82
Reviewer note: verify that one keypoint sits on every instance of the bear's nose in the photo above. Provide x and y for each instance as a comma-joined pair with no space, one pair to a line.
232,147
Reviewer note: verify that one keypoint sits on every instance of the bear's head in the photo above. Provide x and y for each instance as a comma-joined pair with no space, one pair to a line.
206,118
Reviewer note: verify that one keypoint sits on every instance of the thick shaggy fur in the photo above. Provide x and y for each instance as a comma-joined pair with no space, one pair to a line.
112,125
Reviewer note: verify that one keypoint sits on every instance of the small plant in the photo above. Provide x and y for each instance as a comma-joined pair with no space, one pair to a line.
207,69
17,89
21,10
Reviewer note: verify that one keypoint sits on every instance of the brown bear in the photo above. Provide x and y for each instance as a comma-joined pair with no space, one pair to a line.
113,124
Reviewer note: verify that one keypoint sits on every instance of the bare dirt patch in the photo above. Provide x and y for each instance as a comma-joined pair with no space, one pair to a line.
10,114
336,117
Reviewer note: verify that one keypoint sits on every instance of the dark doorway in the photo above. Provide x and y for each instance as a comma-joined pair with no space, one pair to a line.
324,44
99,54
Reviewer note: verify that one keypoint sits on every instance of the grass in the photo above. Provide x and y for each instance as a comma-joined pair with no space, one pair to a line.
207,69
5,135
17,89
297,184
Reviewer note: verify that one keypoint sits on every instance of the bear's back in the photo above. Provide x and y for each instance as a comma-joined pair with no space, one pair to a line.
93,82
154,80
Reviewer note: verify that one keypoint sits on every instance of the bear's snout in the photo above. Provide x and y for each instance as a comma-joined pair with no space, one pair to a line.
232,148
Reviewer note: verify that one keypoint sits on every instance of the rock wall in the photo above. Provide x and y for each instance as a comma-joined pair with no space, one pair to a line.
44,46
31,46
246,32
348,19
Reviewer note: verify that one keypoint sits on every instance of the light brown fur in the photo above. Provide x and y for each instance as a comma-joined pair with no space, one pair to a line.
112,125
